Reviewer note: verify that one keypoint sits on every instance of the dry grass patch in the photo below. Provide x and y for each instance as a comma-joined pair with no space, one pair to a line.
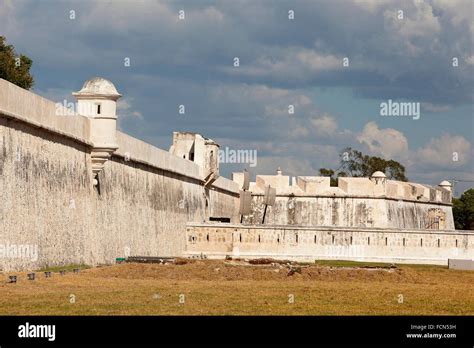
235,288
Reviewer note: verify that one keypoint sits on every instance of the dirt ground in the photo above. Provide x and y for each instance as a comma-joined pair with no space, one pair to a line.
205,287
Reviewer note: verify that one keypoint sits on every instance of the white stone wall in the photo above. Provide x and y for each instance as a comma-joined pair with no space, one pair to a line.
347,211
313,243
355,202
147,195
46,195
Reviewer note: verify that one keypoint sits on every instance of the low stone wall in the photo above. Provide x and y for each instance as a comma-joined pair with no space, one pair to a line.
312,243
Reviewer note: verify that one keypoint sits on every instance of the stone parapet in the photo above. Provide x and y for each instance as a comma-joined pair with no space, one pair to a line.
319,186
302,243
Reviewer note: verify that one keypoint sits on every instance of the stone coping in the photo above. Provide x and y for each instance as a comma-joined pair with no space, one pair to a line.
328,228
297,195
27,107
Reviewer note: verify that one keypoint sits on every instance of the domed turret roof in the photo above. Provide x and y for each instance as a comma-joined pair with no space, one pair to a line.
98,86
378,174
445,183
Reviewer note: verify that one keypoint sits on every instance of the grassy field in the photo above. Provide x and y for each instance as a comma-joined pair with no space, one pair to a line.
237,288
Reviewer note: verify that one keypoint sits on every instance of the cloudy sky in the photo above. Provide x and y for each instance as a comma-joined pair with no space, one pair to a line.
404,56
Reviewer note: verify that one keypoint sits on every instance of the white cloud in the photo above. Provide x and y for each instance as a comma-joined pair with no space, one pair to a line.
442,151
295,64
459,12
125,110
325,125
371,5
418,22
388,142
211,13
316,61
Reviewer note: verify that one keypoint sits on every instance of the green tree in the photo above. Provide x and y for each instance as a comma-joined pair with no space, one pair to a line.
13,67
354,163
463,211
330,173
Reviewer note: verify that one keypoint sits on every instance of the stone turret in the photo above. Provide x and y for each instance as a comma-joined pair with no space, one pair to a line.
378,177
446,185
202,151
98,100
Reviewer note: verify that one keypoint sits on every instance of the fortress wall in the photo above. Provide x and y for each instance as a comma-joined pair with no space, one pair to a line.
317,211
223,199
313,243
139,151
47,198
143,210
23,105
45,195
357,202
402,214
349,211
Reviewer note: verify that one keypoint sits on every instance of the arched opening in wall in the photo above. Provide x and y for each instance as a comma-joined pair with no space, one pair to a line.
333,239
278,239
98,109
439,244
259,238
240,237
315,239
296,238
403,241
351,240
207,237
421,241
456,243
368,240
386,241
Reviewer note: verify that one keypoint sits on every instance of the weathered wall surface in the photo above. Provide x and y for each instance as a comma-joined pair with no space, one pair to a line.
348,211
143,210
46,195
312,243
355,202
145,196
48,200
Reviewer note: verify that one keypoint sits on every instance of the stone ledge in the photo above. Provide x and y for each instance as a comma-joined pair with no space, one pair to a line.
29,121
328,228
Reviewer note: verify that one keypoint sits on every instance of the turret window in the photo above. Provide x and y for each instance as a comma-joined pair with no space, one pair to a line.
98,109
